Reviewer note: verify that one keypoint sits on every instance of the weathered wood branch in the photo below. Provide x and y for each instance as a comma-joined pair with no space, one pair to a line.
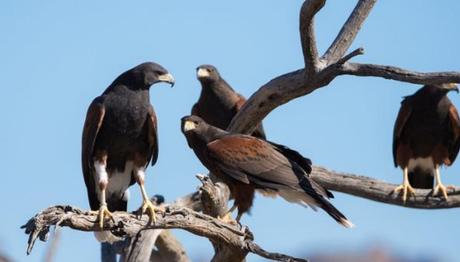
399,74
380,191
129,224
307,34
231,242
349,31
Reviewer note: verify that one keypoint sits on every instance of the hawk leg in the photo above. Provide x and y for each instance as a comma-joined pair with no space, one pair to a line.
227,218
147,206
405,187
102,179
439,189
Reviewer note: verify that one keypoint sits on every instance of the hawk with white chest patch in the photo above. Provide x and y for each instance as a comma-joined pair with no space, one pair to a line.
119,140
426,136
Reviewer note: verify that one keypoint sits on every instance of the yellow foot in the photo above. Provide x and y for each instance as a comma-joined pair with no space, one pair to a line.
227,218
102,214
406,188
150,209
440,189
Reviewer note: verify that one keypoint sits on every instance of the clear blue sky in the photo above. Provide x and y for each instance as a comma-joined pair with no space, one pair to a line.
56,56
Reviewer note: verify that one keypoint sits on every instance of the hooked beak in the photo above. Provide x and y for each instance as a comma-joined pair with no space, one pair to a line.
188,125
167,78
452,87
201,73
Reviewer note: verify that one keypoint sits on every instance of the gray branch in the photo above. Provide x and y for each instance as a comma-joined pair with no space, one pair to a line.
380,191
349,31
307,33
231,242
399,74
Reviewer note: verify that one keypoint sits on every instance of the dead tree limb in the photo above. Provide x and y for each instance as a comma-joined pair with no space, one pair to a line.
381,191
231,242
349,31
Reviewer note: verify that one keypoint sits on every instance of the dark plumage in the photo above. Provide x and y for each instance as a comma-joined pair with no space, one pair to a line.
218,102
246,163
426,136
120,139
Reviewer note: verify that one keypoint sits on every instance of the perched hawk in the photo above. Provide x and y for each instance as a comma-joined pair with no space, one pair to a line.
426,135
246,164
120,139
218,102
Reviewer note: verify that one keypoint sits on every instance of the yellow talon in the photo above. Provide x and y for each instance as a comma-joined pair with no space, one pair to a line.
440,188
227,218
406,188
102,214
150,209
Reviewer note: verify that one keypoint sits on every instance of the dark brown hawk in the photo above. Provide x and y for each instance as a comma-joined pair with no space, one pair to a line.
120,139
246,164
218,102
426,136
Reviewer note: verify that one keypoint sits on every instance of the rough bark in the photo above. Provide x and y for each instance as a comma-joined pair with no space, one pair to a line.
381,191
231,242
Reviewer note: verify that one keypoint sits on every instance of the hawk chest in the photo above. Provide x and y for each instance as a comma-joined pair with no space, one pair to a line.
126,115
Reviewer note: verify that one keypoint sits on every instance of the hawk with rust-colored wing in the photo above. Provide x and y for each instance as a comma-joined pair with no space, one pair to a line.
248,164
426,136
120,139
218,102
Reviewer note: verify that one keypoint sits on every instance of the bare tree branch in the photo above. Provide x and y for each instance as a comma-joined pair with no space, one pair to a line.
380,191
129,224
349,31
399,74
307,34
356,52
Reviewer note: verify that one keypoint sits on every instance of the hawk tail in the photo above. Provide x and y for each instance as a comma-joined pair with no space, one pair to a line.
335,213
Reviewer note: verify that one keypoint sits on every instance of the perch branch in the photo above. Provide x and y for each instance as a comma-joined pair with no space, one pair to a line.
307,33
380,191
399,74
349,31
129,224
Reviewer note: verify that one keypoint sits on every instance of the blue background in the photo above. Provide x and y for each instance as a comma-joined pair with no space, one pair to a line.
56,56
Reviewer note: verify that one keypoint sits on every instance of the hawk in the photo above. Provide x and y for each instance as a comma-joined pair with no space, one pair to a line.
120,140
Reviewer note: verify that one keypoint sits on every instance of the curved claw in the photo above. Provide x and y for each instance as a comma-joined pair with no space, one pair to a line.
227,218
440,188
406,188
150,209
102,214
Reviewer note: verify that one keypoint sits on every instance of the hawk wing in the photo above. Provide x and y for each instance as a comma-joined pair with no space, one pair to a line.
93,122
454,138
403,115
251,160
152,135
